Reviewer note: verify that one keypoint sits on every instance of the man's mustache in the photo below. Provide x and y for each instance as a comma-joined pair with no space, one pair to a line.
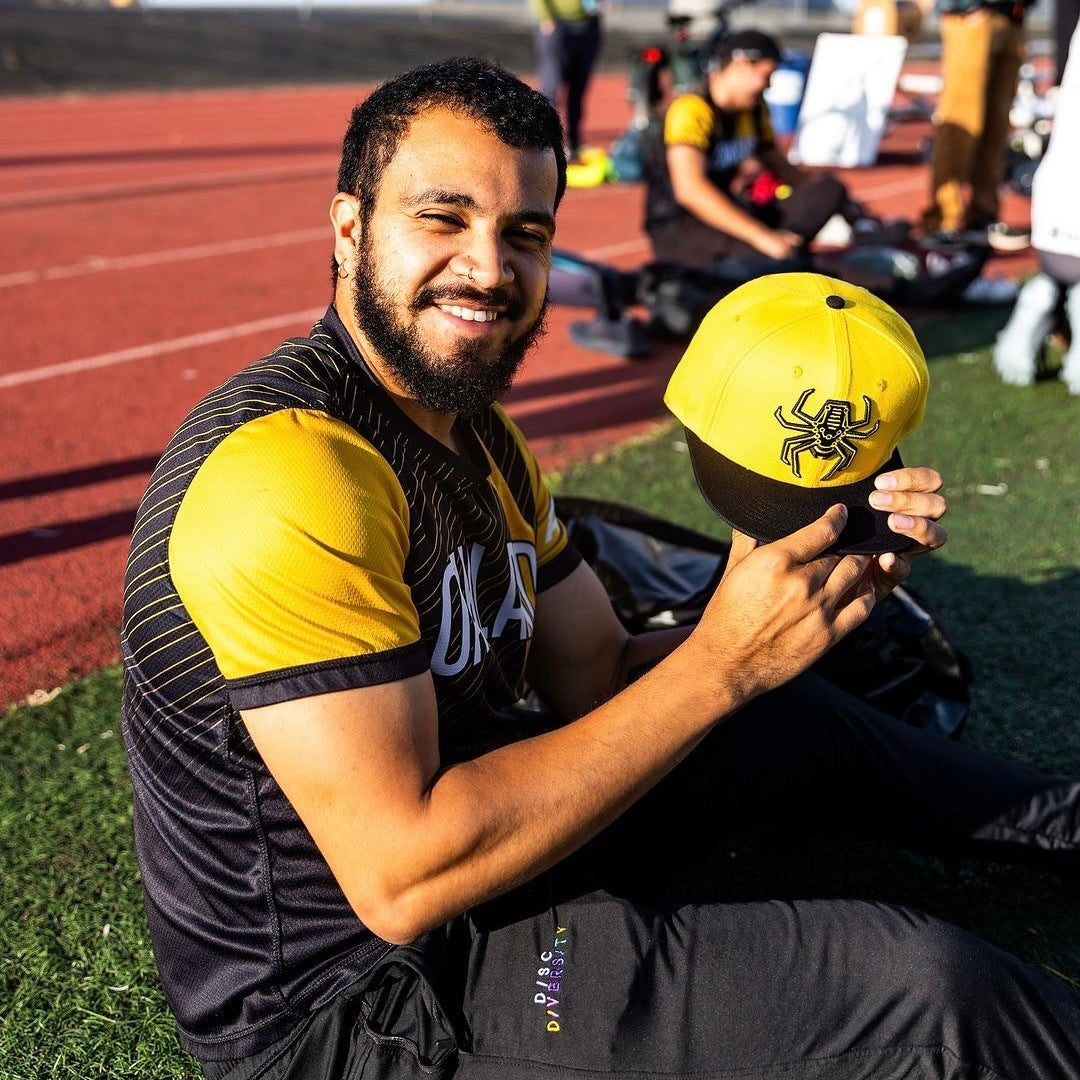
509,303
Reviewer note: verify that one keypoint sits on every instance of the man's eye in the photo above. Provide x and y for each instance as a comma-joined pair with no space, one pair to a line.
439,218
530,236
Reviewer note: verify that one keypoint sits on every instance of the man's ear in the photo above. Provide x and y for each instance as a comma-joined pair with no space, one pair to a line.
345,218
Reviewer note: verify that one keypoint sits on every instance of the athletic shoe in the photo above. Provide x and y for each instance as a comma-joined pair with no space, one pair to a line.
836,233
1070,376
625,337
994,234
1002,237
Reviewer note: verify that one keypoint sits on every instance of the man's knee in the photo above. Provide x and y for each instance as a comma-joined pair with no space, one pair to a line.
939,967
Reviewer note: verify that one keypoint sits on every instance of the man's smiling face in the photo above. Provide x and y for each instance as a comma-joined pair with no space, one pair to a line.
451,271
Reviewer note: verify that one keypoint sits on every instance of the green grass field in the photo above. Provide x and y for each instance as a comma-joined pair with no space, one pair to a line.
78,992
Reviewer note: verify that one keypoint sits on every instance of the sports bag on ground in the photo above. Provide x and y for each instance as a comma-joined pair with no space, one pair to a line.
907,272
659,574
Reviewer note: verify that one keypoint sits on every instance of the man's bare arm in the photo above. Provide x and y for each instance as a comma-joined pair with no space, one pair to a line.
413,843
581,654
695,192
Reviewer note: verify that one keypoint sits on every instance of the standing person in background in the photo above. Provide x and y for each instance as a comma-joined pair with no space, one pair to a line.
1055,236
982,47
567,45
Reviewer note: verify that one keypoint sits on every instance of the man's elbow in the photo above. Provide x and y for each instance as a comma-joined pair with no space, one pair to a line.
397,917
694,199
685,197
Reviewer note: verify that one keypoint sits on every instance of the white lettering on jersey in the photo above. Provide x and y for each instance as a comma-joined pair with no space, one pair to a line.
460,618
459,612
517,605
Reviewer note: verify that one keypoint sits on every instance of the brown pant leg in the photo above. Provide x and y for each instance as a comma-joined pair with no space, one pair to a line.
1006,56
965,69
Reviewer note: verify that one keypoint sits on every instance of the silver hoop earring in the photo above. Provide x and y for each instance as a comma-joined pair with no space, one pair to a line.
342,271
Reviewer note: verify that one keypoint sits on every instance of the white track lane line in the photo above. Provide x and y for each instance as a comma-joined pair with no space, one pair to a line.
224,333
98,263
160,348
18,200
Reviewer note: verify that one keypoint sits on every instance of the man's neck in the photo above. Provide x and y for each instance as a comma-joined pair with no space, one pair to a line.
721,92
438,425
719,101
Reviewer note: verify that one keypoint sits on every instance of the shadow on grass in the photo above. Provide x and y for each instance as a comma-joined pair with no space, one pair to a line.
1030,913
1021,639
1020,632
964,330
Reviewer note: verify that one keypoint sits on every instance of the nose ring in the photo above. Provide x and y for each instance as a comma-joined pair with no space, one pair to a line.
469,274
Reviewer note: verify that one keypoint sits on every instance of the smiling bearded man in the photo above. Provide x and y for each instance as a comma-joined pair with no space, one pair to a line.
465,379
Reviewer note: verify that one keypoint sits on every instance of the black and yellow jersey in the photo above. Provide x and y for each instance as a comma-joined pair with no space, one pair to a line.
727,139
301,535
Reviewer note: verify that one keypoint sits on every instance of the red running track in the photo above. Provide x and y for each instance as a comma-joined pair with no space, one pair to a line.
154,243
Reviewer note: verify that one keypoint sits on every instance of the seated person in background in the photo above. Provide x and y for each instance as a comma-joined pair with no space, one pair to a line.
1055,235
719,191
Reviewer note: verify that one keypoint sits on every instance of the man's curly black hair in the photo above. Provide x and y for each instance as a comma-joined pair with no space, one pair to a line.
748,45
484,91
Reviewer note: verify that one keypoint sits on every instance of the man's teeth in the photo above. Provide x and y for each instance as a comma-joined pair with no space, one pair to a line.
469,314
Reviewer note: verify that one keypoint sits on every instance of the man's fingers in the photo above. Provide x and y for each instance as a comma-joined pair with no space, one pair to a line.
856,609
910,498
916,504
919,478
802,547
809,542
909,493
929,535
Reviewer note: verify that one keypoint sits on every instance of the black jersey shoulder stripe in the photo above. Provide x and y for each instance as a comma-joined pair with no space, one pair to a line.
328,676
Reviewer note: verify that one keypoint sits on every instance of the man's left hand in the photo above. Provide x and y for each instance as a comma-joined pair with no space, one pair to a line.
911,498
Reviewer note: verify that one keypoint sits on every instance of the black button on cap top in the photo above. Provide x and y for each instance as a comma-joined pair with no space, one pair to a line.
834,301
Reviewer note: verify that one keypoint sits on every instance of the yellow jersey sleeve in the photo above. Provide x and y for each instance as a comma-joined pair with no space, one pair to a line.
282,558
689,122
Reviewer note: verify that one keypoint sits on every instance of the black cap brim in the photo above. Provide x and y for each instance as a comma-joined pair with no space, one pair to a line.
768,509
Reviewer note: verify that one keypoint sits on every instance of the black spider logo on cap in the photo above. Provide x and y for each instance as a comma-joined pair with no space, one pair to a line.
828,433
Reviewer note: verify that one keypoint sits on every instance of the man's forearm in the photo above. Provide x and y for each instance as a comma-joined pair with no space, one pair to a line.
715,209
644,651
476,836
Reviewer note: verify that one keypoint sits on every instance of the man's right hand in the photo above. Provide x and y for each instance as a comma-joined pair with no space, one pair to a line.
779,243
781,605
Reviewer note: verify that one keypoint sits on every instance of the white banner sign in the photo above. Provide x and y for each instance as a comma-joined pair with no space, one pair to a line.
849,91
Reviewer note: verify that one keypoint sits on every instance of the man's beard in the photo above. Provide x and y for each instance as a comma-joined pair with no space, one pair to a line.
465,380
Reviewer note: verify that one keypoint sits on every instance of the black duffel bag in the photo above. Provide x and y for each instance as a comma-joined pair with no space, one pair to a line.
659,574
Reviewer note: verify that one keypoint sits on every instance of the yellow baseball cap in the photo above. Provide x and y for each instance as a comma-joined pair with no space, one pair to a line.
794,393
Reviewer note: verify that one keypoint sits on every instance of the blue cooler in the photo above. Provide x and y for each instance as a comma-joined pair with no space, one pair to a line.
785,92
